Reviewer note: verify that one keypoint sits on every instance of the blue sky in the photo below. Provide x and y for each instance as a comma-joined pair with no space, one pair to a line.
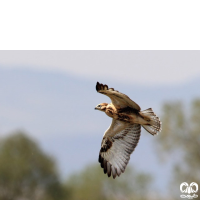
51,95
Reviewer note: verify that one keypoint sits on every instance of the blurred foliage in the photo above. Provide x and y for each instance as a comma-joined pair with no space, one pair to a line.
179,142
93,184
26,173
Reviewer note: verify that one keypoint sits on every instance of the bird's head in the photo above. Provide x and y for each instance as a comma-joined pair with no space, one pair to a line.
101,107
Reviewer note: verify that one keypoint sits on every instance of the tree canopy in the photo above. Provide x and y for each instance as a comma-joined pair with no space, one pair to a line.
26,172
92,184
179,142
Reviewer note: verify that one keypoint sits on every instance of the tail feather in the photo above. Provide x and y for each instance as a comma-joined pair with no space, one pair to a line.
154,124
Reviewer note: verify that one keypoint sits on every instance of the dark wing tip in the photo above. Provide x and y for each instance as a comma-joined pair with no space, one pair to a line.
100,86
100,158
97,86
108,169
105,165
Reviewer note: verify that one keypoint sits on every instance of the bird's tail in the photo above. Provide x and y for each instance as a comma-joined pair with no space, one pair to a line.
153,125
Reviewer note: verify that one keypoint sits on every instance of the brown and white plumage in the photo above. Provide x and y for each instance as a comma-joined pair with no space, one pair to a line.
115,151
118,99
123,135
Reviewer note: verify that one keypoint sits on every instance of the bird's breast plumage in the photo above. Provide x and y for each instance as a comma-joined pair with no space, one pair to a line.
127,114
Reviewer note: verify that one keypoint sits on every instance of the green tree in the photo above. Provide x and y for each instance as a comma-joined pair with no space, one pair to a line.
93,184
179,142
26,172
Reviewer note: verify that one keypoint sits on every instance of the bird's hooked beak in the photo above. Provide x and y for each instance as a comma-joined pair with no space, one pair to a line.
98,107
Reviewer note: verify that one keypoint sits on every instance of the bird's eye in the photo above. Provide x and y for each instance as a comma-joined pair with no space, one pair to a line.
99,106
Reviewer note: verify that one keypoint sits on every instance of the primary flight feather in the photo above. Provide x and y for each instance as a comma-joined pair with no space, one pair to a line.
121,138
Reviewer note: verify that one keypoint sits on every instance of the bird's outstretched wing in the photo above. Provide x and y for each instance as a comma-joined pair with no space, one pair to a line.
118,99
118,143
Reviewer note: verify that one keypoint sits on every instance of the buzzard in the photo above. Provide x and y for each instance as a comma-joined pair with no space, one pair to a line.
121,138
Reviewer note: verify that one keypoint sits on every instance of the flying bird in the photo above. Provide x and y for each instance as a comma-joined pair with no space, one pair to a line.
123,135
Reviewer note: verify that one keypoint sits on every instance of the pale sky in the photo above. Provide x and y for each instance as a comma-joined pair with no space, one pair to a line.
139,67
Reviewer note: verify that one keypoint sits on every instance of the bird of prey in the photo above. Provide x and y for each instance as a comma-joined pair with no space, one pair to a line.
121,138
